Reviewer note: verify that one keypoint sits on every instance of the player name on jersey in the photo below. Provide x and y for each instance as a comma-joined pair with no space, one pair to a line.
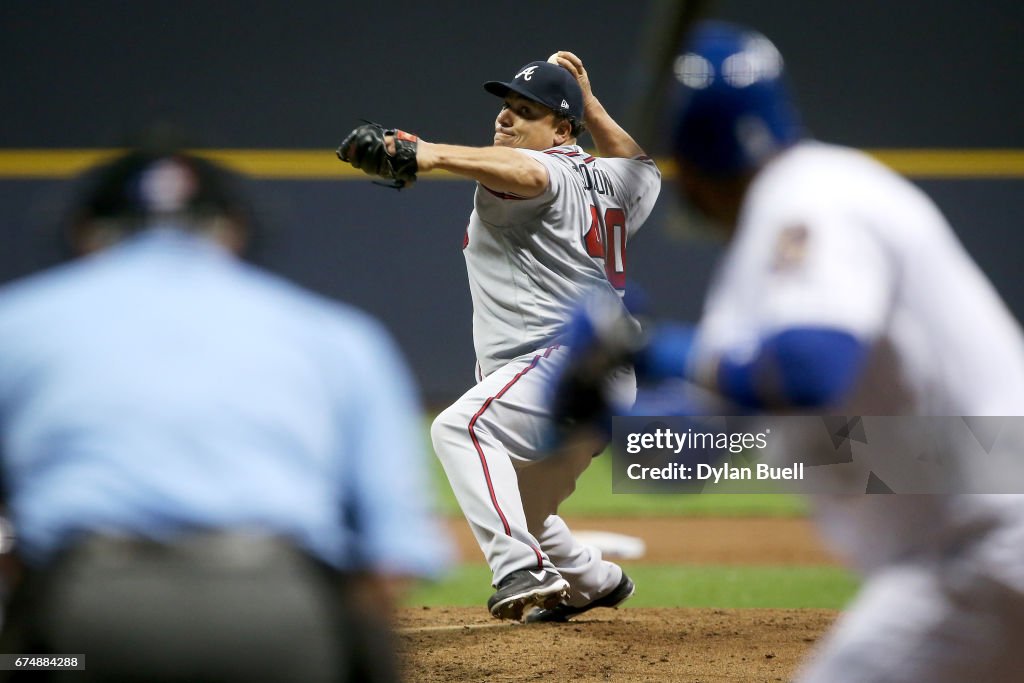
595,179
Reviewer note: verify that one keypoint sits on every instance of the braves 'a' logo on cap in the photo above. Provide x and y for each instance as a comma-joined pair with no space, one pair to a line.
527,73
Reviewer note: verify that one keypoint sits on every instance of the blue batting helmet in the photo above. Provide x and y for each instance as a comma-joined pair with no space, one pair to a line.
734,109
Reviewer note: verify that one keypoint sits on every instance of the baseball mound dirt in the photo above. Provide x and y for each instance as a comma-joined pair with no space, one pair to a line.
634,644
456,644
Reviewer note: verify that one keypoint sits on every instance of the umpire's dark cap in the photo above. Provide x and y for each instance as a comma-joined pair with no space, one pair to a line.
142,184
157,180
546,83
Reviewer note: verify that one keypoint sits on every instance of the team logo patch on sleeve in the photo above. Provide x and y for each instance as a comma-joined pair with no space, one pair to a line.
790,248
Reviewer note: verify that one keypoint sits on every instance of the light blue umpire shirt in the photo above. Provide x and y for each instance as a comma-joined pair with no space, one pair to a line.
163,386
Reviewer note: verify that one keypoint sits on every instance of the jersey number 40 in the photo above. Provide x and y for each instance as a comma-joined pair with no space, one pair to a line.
607,239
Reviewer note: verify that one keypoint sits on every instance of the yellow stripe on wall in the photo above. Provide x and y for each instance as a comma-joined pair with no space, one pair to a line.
950,164
259,163
49,163
954,163
285,164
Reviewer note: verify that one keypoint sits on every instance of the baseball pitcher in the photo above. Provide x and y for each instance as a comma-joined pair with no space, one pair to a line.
550,223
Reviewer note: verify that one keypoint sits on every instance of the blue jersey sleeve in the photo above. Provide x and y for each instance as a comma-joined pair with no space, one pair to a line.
801,367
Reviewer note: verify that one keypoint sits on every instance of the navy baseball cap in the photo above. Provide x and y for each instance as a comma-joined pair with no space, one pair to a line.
546,83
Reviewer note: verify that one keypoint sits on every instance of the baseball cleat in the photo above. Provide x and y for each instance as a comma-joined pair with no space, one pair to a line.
563,612
524,588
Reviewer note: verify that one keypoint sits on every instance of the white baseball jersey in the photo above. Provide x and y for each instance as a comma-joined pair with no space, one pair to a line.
827,237
531,260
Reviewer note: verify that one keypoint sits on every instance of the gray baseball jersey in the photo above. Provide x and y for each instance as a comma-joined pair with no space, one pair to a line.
531,259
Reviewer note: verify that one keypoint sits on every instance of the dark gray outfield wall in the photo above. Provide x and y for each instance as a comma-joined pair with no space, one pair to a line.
298,75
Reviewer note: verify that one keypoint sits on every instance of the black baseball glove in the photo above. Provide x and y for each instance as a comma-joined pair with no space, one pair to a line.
366,150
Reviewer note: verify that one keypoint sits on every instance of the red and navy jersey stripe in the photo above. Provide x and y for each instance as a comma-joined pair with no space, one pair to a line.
587,158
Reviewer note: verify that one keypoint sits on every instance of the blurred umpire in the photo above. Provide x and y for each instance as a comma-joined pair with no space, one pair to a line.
212,474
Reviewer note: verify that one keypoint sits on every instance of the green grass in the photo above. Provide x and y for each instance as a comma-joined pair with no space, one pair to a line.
594,498
680,586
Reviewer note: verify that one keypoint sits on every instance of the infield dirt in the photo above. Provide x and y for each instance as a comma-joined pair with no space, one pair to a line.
463,644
